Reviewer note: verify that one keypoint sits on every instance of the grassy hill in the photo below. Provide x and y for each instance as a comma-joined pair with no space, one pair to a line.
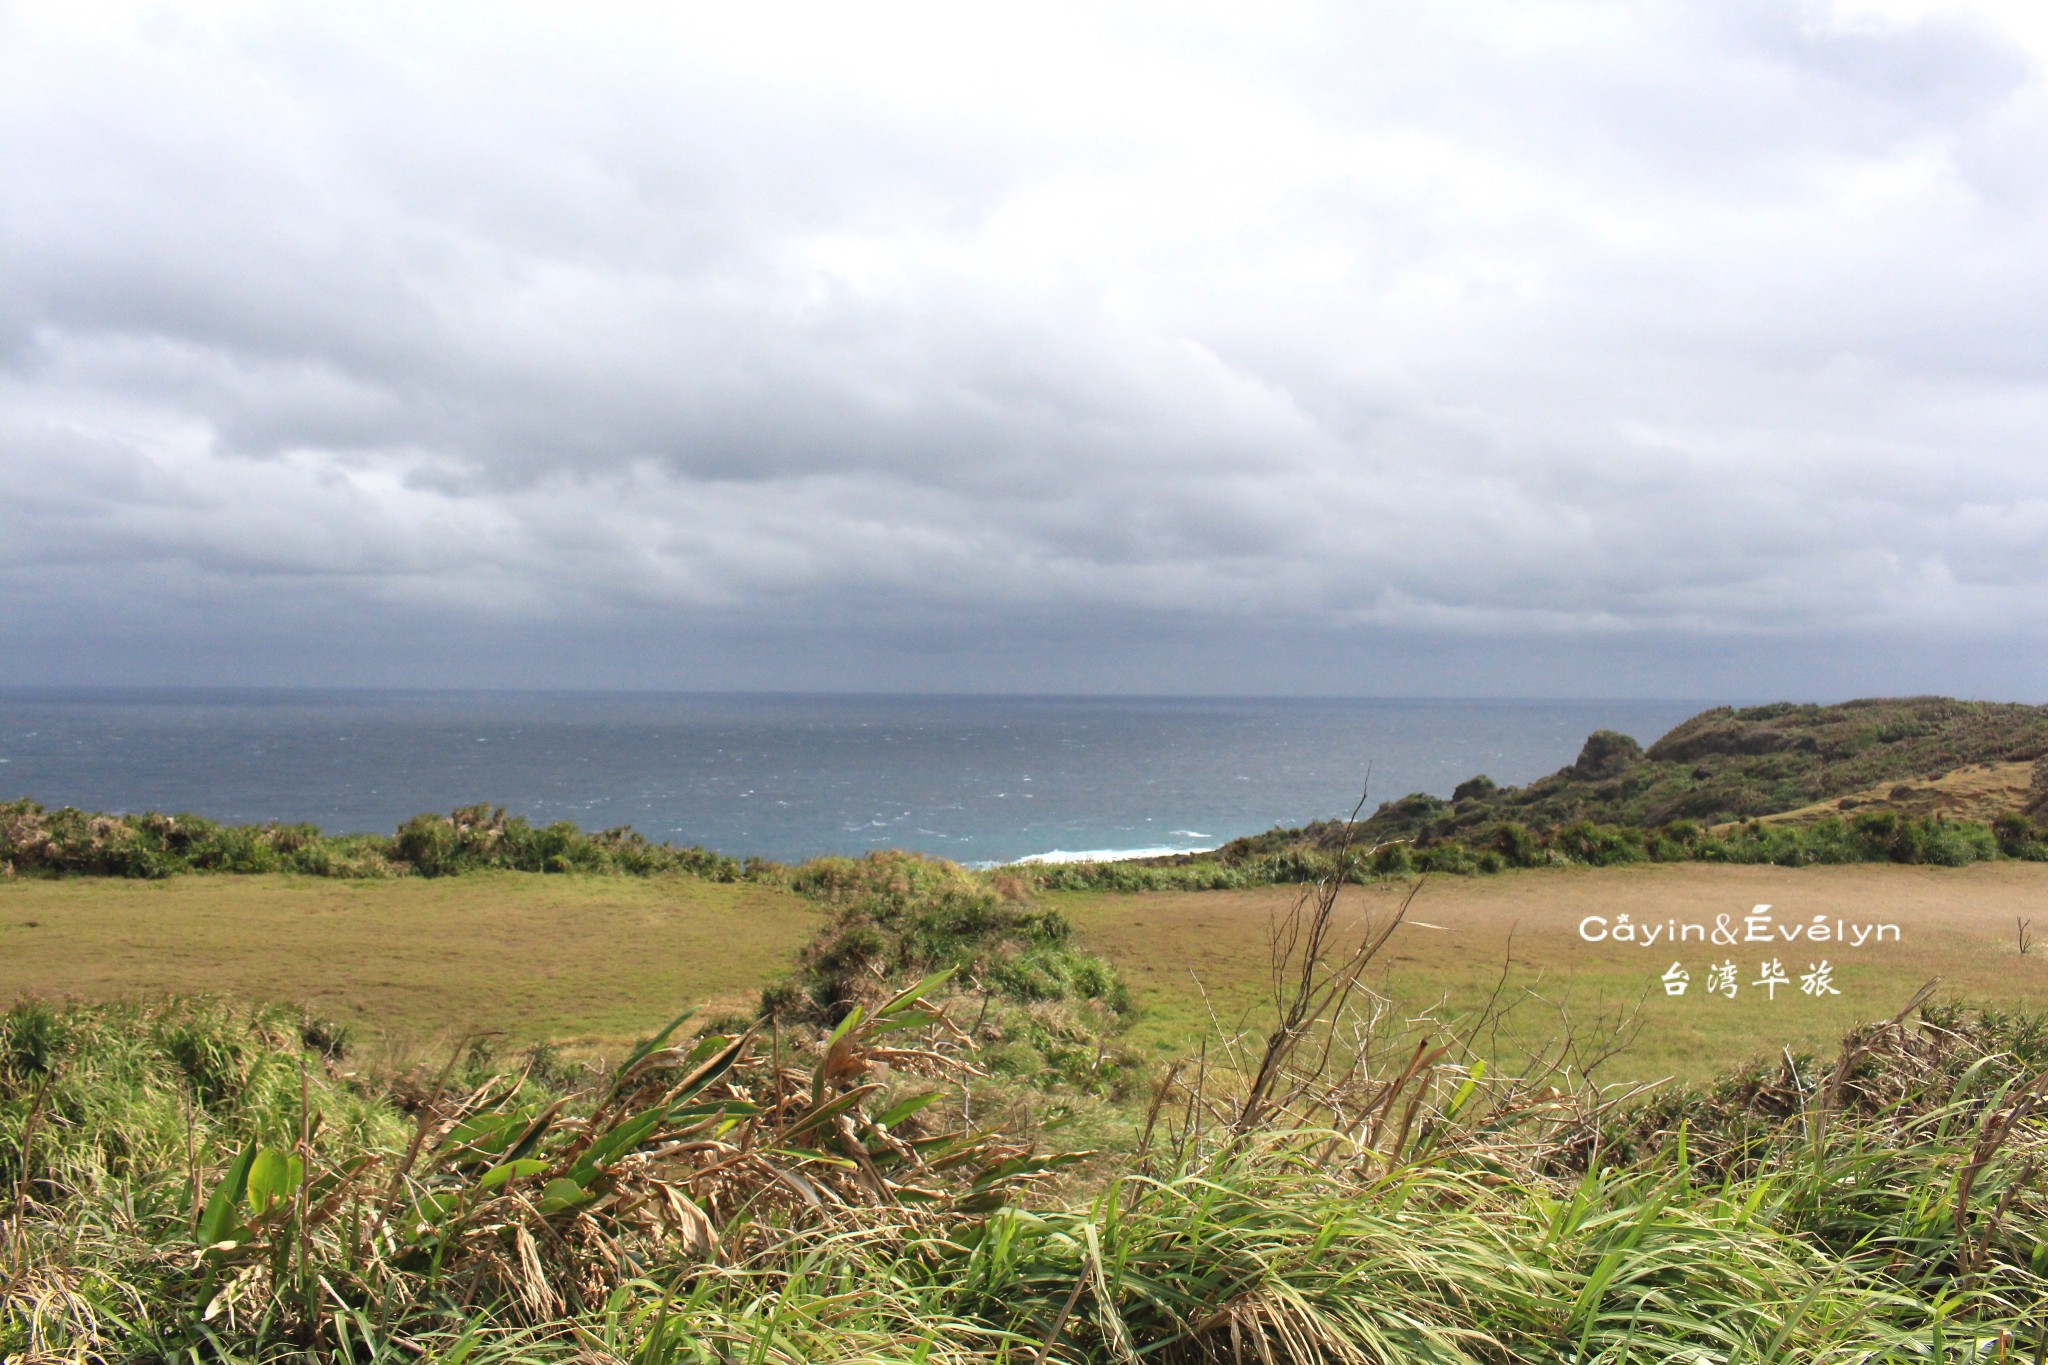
1735,764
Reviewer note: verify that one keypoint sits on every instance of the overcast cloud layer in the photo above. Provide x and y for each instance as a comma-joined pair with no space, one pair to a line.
1518,348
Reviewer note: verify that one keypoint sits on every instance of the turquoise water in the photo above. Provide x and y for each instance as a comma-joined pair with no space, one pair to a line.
970,778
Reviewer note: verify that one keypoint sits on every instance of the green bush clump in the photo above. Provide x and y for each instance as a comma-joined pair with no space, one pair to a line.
1904,839
1474,789
34,841
1449,856
1874,836
2019,837
1287,866
475,838
1134,876
1582,841
902,914
1049,1007
1516,845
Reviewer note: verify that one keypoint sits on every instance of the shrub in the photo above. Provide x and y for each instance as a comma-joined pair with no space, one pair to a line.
34,840
1958,845
1414,808
1474,789
1661,848
237,849
1606,753
1448,856
1599,845
1516,844
901,914
2018,837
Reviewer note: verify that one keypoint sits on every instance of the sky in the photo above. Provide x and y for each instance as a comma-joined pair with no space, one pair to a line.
1462,349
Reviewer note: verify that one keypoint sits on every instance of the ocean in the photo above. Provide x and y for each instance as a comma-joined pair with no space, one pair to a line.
973,778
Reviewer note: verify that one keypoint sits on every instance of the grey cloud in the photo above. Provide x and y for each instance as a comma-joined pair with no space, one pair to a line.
1363,329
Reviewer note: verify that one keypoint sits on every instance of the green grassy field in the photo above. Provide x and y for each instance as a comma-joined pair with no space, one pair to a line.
582,959
208,1180
1199,960
564,957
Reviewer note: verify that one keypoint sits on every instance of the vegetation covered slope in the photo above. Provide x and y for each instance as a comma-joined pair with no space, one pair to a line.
1722,765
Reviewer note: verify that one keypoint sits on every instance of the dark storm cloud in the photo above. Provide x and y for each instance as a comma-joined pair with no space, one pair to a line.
894,334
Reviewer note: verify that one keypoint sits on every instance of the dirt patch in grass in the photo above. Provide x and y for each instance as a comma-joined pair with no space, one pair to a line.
564,957
1198,960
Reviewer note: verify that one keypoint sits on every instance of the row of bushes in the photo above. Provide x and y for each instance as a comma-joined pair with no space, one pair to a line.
475,838
1286,867
34,840
1876,837
1872,837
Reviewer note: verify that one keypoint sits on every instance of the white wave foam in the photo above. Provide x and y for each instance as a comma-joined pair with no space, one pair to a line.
1101,855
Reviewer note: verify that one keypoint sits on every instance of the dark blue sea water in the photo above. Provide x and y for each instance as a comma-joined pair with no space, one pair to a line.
970,778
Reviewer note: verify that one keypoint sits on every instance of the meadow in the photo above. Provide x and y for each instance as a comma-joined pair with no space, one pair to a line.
1197,962
591,960
873,1173
575,959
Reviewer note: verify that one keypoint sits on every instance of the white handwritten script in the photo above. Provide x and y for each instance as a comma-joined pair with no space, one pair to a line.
1758,926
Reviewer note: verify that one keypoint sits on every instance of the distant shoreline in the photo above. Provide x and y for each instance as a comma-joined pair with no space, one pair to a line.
1093,855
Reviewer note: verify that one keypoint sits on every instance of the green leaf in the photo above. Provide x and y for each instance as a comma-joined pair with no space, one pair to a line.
485,1134
619,1141
536,1131
846,1025
645,1050
1465,1091
219,1220
705,1045
831,1109
811,1154
716,1111
912,995
904,1108
511,1170
273,1176
710,1068
428,1213
891,1023
562,1193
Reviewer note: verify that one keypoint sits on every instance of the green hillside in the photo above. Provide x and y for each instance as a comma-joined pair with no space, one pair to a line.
1724,764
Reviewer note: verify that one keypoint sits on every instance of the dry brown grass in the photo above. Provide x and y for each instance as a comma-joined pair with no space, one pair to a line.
1196,956
1980,792
564,957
